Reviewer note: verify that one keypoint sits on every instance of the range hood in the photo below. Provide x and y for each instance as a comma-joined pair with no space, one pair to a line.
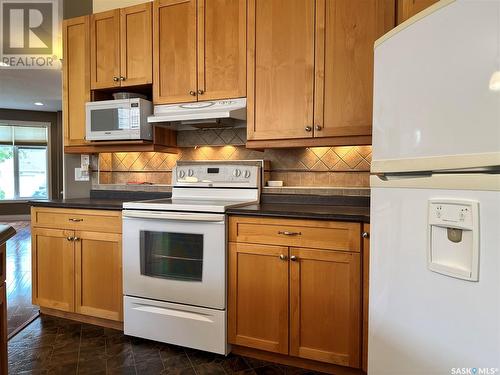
201,115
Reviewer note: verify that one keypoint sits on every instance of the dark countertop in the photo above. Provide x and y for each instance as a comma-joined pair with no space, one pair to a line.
6,232
87,203
305,211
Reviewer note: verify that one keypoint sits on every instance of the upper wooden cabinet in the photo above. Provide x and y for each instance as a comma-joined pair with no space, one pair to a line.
76,78
199,50
121,47
310,73
408,8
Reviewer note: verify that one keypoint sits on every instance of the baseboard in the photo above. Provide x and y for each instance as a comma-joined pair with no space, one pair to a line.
6,218
83,318
294,361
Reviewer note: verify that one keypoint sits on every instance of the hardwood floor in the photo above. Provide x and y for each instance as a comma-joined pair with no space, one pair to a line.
19,307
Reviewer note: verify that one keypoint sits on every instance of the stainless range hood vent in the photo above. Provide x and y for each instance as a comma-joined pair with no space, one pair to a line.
201,115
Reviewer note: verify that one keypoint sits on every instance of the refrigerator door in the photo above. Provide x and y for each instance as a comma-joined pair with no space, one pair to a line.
421,321
432,105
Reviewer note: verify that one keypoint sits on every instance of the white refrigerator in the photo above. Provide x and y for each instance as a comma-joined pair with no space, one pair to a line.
434,301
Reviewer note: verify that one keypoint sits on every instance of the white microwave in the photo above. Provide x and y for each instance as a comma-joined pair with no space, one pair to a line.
118,119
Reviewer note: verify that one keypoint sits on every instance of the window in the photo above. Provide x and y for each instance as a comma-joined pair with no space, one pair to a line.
23,161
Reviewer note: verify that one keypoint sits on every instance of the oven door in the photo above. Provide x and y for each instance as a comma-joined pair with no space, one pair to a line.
109,120
175,257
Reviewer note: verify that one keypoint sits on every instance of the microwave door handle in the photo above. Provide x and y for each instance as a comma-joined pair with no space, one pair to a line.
173,216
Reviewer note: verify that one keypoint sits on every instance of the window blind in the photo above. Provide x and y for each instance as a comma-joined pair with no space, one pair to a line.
21,135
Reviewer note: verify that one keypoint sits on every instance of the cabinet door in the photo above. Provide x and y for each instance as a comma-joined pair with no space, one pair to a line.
408,8
136,41
280,69
98,275
76,78
346,31
105,49
366,288
174,41
221,49
52,253
258,297
325,306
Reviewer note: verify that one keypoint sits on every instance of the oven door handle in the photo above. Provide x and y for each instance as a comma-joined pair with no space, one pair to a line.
185,216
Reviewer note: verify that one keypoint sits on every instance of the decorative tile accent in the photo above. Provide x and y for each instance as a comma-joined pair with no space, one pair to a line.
346,166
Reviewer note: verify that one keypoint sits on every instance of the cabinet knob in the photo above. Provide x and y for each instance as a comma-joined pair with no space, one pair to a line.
122,78
192,93
116,79
201,92
283,257
70,238
308,128
318,127
293,258
365,235
76,238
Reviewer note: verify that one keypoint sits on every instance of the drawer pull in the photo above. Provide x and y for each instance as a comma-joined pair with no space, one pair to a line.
287,233
283,257
75,220
294,258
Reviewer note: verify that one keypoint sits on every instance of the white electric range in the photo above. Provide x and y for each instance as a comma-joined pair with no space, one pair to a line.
174,254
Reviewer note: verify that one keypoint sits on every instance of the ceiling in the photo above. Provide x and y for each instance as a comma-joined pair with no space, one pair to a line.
21,88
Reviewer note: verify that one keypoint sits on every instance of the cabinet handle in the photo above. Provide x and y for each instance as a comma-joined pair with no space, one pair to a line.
116,79
76,238
192,93
365,235
287,233
122,78
283,257
308,128
70,238
201,92
318,127
75,220
293,258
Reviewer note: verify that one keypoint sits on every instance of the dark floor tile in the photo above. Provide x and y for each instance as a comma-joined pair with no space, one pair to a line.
209,369
255,363
198,357
98,342
269,370
129,370
63,356
168,350
175,362
149,367
234,364
62,369
120,359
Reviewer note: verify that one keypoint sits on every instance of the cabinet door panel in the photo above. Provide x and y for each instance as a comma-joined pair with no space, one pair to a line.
408,8
53,255
76,78
99,275
221,49
346,32
325,306
258,297
174,41
281,68
105,49
136,45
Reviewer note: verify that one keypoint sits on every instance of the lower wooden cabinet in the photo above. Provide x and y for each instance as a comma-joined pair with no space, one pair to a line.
78,271
258,296
53,262
297,301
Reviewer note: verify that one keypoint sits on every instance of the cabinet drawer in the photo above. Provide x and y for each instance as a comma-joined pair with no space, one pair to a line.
330,235
76,219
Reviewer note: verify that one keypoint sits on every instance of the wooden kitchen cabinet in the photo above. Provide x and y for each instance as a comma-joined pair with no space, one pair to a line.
53,268
325,306
258,296
319,289
310,70
121,47
408,8
199,50
76,270
98,275
366,287
76,78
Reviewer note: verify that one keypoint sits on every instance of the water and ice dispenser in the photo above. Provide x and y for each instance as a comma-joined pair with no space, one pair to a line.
453,247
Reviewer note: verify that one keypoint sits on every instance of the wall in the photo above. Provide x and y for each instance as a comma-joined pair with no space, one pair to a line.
308,167
55,120
102,5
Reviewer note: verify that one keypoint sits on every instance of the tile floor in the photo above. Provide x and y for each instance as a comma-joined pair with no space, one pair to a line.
58,346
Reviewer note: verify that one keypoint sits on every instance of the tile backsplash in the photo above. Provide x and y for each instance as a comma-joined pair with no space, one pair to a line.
346,166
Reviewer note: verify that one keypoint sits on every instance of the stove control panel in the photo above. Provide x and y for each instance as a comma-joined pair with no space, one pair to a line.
240,174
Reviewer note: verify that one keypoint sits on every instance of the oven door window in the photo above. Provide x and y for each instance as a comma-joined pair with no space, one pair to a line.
177,256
